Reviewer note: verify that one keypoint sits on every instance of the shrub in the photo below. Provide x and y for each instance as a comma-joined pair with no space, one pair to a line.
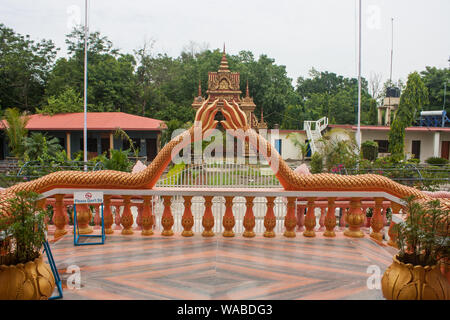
436,161
413,161
23,229
119,161
316,163
369,150
423,238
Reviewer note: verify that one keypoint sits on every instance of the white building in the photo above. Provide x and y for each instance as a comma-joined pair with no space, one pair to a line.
420,142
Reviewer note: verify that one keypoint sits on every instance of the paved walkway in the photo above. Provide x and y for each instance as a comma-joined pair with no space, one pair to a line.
156,267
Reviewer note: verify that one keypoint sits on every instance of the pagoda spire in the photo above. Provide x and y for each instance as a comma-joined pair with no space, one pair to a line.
224,62
199,88
247,94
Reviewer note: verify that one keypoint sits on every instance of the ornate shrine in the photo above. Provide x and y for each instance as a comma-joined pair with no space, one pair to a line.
225,85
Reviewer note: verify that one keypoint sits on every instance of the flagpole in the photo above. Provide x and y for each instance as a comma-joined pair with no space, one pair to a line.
85,84
358,131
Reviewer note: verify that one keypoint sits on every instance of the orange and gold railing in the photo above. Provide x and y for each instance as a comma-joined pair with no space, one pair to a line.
228,212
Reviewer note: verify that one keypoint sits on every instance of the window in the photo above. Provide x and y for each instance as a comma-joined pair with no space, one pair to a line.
383,146
136,143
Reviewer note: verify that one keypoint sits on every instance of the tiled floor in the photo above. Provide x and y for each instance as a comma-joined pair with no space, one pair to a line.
156,267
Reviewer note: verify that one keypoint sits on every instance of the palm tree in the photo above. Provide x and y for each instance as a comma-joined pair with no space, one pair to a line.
15,130
39,146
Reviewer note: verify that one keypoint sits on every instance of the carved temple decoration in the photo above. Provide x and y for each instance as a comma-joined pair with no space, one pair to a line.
225,85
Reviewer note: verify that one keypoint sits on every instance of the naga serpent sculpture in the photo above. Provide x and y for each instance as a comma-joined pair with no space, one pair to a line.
235,120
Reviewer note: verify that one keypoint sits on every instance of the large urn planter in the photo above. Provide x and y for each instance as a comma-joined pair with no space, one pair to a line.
23,273
30,281
408,282
422,240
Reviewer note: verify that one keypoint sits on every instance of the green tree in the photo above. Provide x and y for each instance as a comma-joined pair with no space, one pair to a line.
40,147
24,69
293,117
16,130
435,79
412,100
333,96
111,78
66,102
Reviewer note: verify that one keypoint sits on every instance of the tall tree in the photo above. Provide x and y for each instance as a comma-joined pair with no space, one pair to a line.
111,78
16,130
412,100
435,79
24,69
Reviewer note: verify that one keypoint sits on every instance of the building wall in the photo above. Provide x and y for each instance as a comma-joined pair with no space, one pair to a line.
288,149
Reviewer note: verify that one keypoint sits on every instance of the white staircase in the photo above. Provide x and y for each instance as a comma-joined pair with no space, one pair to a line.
314,131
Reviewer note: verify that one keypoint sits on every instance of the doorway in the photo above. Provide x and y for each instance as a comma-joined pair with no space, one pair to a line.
151,149
415,149
445,149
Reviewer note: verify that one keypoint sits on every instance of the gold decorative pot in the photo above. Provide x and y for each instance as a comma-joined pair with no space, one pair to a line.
30,281
408,282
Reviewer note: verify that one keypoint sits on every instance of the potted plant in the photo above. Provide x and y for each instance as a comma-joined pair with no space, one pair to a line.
424,243
23,272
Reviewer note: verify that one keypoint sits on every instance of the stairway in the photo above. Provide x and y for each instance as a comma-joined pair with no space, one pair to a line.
314,132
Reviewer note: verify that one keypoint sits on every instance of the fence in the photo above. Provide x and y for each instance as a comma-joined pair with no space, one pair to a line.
220,174
425,177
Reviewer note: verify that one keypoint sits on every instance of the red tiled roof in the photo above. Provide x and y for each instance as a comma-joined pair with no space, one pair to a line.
95,121
386,128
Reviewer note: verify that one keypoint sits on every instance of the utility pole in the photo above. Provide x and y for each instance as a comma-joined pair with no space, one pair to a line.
358,131
85,83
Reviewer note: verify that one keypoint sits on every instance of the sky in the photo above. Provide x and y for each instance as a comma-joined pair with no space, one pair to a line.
298,34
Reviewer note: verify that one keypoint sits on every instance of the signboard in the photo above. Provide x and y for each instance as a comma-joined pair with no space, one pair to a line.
86,197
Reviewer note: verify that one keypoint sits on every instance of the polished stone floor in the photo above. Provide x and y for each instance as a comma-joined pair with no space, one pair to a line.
157,267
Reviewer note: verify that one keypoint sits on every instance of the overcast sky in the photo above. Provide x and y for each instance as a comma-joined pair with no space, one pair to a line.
296,33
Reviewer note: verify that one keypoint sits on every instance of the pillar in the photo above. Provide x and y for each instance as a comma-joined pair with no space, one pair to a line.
377,222
208,218
330,219
187,221
84,217
270,219
290,221
59,218
107,214
300,217
249,218
68,146
322,219
117,217
139,217
127,217
355,218
147,216
437,138
111,142
228,218
167,217
97,217
310,219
